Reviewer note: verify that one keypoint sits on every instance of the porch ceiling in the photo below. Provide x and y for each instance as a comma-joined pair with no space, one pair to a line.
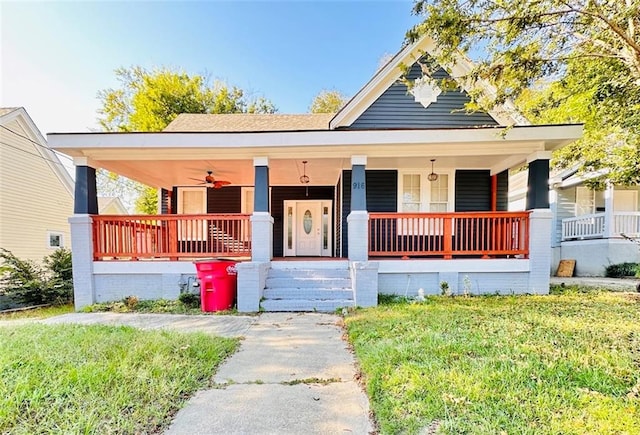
169,159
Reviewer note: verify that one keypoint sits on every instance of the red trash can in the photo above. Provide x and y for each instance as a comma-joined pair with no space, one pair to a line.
218,284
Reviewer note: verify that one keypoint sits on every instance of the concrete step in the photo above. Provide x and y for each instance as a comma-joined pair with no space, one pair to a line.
309,273
306,282
304,305
308,293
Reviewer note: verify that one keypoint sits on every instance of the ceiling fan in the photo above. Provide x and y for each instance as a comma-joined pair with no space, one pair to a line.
210,181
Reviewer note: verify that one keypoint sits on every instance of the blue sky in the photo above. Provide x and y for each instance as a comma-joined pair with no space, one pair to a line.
56,56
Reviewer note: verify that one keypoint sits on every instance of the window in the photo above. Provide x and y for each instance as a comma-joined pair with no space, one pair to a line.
411,195
439,195
417,194
585,201
55,240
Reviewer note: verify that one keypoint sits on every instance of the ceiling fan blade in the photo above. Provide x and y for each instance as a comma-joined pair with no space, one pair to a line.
220,183
195,179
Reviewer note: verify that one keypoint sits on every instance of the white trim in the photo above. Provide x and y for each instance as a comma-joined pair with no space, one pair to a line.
458,265
43,149
359,160
425,187
539,155
145,146
59,234
181,190
244,206
261,161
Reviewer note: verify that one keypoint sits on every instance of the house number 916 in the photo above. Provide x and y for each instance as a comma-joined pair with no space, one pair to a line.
358,185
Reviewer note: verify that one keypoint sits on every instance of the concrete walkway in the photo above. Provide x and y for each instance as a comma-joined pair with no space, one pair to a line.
615,284
293,374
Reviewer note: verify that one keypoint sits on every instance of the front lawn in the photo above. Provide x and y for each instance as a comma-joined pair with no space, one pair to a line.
100,379
566,363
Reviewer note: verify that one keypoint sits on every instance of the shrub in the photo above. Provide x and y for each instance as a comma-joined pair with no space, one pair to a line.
190,300
622,269
31,284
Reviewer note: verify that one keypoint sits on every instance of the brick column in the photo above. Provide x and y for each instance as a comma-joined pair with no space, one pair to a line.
82,260
539,251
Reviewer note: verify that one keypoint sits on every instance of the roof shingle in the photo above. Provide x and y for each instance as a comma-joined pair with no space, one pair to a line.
246,122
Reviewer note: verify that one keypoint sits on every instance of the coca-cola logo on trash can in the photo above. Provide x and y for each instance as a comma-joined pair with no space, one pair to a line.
231,269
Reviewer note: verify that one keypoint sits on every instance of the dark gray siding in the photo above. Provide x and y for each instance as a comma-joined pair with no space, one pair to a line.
396,108
174,200
224,200
473,190
281,193
382,196
503,191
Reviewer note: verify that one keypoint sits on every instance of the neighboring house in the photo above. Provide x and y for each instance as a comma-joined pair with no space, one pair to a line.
588,224
400,190
36,191
111,205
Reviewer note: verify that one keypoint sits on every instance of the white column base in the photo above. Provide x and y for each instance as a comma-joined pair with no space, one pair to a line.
261,237
358,228
252,277
364,278
540,250
84,292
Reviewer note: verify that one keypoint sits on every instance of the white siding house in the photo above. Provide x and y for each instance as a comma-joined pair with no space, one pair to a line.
36,191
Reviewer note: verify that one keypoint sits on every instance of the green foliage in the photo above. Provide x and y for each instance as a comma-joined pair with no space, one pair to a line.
517,364
563,61
328,102
150,100
190,300
32,284
147,201
101,379
622,270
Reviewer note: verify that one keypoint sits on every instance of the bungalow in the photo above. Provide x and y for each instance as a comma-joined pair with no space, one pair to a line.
400,190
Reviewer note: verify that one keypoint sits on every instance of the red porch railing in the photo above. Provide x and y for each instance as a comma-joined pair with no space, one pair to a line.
171,236
485,234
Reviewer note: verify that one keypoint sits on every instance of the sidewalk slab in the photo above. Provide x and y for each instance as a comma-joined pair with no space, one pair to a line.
276,409
224,326
293,374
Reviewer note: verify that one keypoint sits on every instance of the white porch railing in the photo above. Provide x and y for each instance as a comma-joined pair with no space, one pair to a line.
592,226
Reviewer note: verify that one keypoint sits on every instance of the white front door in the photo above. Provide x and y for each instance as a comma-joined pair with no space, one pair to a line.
307,228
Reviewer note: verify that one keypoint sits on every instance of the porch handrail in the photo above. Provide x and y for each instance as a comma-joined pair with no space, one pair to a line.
446,235
171,236
583,227
626,222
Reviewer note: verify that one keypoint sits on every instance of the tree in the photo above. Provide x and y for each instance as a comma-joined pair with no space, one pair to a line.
149,101
328,102
556,56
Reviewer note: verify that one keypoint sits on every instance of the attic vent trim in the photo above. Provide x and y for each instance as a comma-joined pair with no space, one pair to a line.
425,91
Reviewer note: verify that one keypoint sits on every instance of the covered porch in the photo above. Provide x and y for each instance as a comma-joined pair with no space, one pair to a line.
377,207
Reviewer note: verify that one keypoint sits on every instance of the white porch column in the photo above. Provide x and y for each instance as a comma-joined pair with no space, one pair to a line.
609,226
539,251
358,219
82,260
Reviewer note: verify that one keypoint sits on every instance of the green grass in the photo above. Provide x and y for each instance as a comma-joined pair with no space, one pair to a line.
567,363
158,306
38,313
100,379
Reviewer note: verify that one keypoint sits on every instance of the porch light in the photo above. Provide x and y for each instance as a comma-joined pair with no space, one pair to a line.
304,178
432,176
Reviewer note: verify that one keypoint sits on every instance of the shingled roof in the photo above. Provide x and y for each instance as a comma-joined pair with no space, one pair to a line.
237,122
